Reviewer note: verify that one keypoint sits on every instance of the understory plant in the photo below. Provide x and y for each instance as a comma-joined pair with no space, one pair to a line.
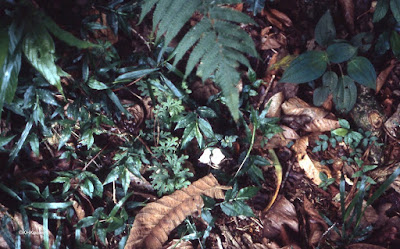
335,56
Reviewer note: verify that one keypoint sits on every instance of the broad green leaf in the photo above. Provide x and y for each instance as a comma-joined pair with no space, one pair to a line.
380,10
206,128
330,80
4,40
382,44
307,67
113,175
188,134
344,123
320,95
340,52
114,98
395,43
325,30
97,85
395,8
125,180
186,120
38,47
65,136
46,96
87,138
87,187
63,35
247,193
199,136
236,208
345,95
134,75
340,132
206,112
362,71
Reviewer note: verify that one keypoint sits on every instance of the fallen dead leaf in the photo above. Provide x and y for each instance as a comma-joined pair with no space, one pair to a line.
157,219
311,168
382,77
321,125
296,106
275,103
178,244
392,124
277,18
281,214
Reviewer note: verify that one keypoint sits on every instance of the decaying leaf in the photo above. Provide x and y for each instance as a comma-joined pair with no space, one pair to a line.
277,18
317,226
275,103
311,168
280,215
382,77
321,125
296,106
155,221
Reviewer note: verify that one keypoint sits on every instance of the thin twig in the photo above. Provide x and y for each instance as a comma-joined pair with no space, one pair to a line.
94,158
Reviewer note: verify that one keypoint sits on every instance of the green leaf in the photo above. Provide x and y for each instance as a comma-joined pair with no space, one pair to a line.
5,140
345,96
4,40
330,80
340,52
85,222
340,132
50,205
247,193
113,175
186,120
307,67
87,138
10,192
65,36
325,30
320,95
87,187
206,128
384,186
395,8
361,70
344,123
21,141
395,43
206,112
134,75
97,85
188,134
65,136
34,143
236,208
380,10
38,47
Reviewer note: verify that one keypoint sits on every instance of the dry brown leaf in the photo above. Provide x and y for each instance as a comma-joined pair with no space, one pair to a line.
311,168
382,77
275,103
321,125
348,13
281,214
392,124
155,221
317,226
296,106
277,18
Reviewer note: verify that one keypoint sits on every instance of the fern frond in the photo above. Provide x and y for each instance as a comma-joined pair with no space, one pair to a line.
219,45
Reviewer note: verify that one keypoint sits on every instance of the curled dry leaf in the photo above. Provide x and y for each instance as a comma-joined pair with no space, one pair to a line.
275,103
282,139
317,226
311,168
321,125
296,106
155,221
382,77
281,214
277,18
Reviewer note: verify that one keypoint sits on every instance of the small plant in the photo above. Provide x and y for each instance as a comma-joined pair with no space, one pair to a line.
325,180
311,65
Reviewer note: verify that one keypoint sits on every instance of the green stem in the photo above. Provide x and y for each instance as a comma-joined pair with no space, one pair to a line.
253,135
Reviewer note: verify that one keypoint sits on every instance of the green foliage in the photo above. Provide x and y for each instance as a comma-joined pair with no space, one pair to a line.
325,181
234,204
219,43
311,65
